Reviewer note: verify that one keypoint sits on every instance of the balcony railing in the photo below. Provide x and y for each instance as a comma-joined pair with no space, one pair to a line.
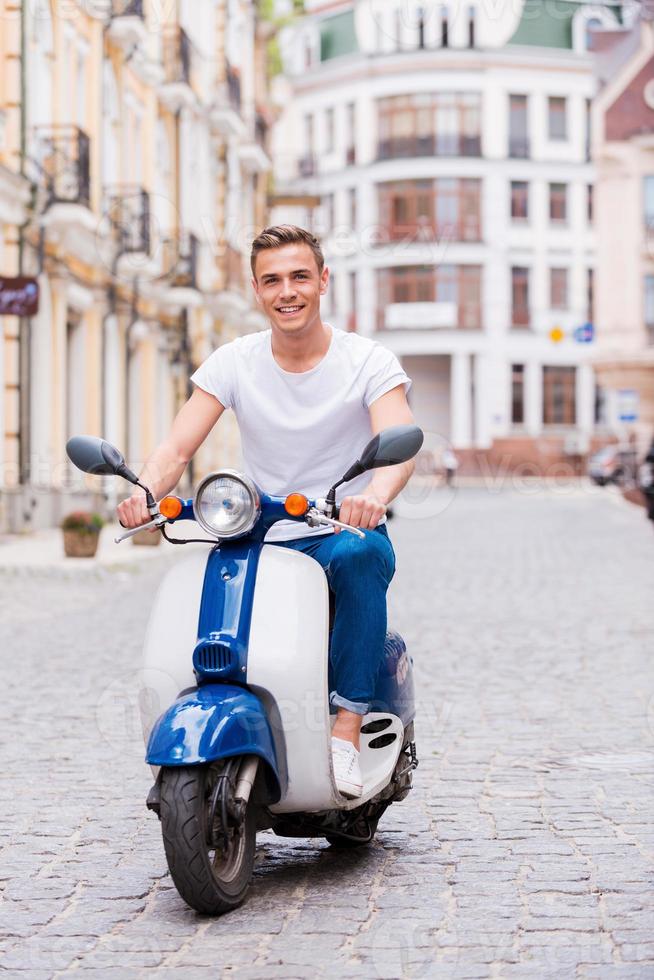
177,56
307,165
180,260
234,89
63,162
519,148
127,8
128,209
450,145
467,229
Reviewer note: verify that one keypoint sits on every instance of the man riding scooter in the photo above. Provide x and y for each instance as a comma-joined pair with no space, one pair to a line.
306,397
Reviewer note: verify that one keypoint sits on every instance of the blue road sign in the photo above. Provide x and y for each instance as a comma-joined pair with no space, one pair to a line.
584,334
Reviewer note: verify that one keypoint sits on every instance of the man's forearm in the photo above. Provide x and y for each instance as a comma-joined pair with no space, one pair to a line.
391,480
163,470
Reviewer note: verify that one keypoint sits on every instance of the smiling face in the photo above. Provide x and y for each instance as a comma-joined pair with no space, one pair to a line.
288,286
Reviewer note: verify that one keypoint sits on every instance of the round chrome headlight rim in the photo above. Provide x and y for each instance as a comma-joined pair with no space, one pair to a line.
252,491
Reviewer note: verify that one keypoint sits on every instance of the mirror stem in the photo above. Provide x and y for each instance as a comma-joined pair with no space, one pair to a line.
149,499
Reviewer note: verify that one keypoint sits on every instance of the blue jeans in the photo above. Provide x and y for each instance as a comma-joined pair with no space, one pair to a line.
359,572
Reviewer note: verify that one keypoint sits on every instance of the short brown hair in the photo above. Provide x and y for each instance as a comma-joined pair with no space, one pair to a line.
279,235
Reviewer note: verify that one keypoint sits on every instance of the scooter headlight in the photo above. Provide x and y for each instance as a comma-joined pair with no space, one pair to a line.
227,504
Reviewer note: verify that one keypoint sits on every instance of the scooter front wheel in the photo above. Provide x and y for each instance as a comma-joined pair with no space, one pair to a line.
209,844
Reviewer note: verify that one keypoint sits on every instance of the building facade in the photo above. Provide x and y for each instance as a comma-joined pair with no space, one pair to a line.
449,145
623,149
133,174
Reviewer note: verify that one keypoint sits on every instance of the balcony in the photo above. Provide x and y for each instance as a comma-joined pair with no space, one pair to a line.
128,210
440,315
226,111
442,145
180,260
465,229
307,165
126,27
63,164
519,148
176,92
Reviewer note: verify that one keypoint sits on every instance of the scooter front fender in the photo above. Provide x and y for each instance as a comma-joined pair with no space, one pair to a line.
215,721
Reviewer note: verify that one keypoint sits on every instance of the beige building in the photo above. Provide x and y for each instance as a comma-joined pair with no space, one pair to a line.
623,149
133,174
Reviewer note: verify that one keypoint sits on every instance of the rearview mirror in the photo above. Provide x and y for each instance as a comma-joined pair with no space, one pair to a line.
94,455
389,447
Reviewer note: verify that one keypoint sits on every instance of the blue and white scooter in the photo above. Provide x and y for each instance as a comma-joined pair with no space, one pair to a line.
234,698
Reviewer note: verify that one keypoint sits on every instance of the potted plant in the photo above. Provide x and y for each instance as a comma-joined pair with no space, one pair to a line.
147,537
81,533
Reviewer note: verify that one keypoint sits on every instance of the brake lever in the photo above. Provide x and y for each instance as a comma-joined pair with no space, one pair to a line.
157,522
315,518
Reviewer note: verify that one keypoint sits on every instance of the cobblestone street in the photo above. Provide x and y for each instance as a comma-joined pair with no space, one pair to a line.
525,850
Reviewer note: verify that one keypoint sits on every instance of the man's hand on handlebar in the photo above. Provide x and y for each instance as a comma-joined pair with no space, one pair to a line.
133,512
364,510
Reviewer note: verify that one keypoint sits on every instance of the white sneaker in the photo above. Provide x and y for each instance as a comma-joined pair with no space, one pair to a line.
347,771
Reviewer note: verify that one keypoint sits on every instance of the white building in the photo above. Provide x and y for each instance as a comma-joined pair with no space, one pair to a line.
450,148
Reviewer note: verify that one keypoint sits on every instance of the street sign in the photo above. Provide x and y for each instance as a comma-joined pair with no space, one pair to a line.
627,405
584,334
19,296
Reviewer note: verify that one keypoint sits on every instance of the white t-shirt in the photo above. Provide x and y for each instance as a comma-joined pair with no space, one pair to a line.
301,431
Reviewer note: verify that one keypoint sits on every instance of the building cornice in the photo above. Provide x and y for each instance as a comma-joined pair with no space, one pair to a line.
357,68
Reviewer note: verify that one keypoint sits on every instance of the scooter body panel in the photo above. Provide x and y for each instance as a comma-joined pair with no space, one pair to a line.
171,635
215,721
288,664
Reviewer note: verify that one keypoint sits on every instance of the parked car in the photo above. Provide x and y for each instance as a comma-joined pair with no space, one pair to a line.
613,464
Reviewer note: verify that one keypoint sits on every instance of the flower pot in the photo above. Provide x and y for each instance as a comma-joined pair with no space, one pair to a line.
147,538
81,544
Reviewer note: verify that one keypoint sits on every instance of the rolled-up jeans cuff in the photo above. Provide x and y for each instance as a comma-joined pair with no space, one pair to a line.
358,707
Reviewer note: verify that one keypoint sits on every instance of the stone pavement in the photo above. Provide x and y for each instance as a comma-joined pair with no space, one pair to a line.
525,851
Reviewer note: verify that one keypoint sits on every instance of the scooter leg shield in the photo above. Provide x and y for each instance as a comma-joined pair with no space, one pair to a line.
215,721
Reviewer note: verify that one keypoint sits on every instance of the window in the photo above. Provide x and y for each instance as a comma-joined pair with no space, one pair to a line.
328,212
444,124
590,296
431,209
558,289
308,133
520,296
648,204
352,202
517,394
559,203
559,396
460,285
649,306
350,124
519,200
352,316
518,126
329,131
471,27
589,203
557,116
445,27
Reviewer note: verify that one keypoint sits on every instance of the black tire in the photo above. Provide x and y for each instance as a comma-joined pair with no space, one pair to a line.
210,880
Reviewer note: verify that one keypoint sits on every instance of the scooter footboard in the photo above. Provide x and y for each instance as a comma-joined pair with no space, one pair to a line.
215,721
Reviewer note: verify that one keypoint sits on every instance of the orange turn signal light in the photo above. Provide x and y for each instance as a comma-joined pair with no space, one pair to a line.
170,507
296,504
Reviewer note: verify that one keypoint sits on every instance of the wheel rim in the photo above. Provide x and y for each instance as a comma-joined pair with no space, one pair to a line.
225,847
